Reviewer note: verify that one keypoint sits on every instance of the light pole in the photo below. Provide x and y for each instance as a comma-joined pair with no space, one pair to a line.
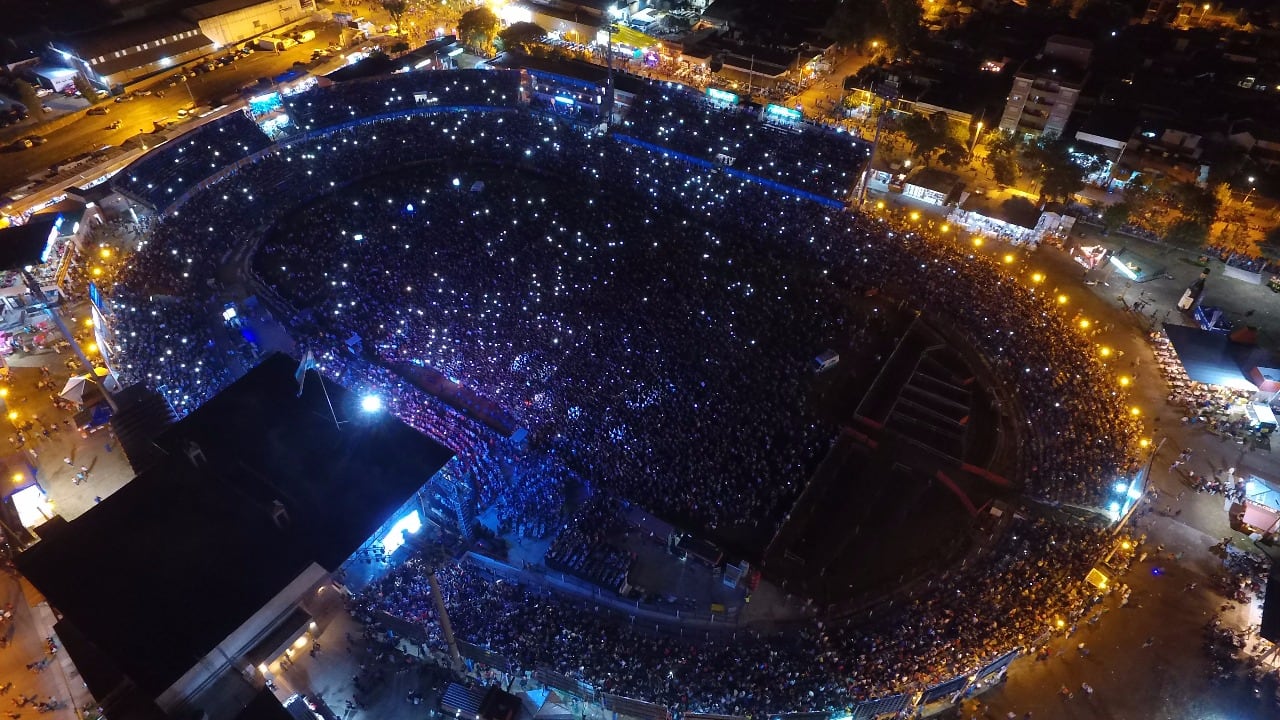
974,145
885,91
1251,189
610,15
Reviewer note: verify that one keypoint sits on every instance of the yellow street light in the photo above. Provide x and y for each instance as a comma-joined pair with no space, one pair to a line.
18,478
1126,545
1135,411
945,228
97,272
1084,324
977,242
1104,351
92,347
1037,277
1062,299
13,415
4,392
88,321
879,204
915,215
104,253
1144,442
1124,381
1060,623
1009,258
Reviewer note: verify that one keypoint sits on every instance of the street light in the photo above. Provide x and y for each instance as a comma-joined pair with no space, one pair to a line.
1250,193
974,145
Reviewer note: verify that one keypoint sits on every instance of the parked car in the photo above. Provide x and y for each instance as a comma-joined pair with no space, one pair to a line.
114,125
143,93
46,108
98,110
29,141
183,112
43,92
123,98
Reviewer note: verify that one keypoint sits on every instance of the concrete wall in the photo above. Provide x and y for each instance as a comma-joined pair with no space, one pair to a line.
238,25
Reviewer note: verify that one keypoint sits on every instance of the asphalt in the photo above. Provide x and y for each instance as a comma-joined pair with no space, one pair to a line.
137,116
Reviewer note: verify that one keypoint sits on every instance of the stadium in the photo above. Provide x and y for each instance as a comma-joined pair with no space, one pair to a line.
599,322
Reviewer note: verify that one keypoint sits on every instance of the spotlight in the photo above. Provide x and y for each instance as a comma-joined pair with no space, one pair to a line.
371,403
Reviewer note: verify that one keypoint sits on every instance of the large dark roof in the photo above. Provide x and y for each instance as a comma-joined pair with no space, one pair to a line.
22,245
1212,358
127,35
156,575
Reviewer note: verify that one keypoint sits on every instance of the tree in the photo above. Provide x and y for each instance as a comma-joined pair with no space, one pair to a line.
521,35
478,28
922,133
86,88
856,21
1187,234
1060,175
395,8
1004,167
1269,246
904,21
1116,215
28,97
1196,203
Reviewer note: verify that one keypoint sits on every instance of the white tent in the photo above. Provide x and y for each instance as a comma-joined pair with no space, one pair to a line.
75,388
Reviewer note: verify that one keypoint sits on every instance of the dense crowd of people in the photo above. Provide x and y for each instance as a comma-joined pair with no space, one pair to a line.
328,106
161,176
1012,598
808,157
651,324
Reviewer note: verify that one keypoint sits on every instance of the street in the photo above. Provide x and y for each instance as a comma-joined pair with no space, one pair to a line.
138,115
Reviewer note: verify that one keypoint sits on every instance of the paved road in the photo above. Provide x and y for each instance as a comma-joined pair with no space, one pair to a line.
91,132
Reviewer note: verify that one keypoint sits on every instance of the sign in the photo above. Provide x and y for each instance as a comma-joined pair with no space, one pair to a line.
95,295
722,96
779,113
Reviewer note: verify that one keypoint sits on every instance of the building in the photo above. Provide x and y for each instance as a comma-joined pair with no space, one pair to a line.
1106,133
571,87
120,54
1015,219
227,22
181,592
933,186
1046,88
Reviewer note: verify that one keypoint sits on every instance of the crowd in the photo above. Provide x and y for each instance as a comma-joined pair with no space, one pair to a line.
326,107
811,158
585,547
1013,597
164,174
651,324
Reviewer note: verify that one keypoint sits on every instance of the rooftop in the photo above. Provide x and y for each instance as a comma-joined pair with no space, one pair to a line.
1055,69
156,575
24,245
126,35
